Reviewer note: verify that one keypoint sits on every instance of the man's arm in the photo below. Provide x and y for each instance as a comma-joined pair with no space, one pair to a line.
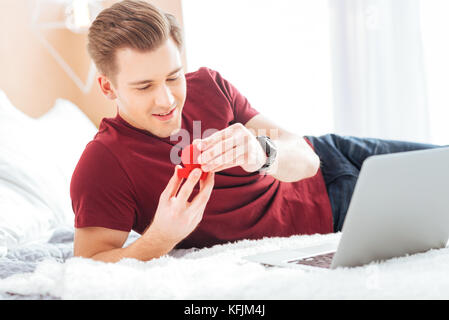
237,145
295,159
174,220
106,245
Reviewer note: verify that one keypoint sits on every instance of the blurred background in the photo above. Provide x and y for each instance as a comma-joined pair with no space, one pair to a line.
374,68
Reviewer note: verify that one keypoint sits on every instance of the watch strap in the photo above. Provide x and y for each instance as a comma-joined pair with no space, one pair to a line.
270,151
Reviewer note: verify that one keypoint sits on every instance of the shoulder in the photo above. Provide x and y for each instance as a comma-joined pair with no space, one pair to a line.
97,165
202,74
109,143
100,190
208,79
96,150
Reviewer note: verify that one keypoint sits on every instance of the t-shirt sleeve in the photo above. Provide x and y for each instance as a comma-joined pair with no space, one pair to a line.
101,192
242,109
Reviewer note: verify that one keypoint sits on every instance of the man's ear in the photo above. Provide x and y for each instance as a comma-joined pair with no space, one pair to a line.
106,87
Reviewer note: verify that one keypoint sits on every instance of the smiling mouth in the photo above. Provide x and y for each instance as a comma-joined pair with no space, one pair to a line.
165,116
166,113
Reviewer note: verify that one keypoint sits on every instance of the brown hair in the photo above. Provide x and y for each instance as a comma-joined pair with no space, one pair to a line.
131,24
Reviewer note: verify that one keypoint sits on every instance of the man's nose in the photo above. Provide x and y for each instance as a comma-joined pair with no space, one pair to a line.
164,96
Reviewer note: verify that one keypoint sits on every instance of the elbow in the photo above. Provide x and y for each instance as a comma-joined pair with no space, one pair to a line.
312,160
304,166
314,164
309,169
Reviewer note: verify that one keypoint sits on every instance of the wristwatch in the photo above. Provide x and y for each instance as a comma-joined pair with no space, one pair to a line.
270,151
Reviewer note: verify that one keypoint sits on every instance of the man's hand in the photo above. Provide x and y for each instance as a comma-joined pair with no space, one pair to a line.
231,147
175,217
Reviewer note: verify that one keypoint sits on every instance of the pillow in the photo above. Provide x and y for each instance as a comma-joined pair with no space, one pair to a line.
37,158
25,176
24,216
68,130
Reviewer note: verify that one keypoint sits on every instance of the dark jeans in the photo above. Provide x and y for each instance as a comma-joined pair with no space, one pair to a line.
341,160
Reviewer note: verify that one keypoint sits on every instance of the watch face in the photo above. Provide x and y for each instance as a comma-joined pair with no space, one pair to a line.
269,148
271,151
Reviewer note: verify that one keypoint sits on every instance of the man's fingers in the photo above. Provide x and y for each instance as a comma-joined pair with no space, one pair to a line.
231,158
219,149
218,136
187,188
199,203
173,185
206,188
236,162
208,184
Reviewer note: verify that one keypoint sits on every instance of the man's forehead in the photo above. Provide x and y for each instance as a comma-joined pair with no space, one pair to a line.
139,66
146,79
130,53
131,60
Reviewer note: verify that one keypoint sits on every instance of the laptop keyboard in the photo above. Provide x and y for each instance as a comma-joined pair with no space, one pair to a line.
322,260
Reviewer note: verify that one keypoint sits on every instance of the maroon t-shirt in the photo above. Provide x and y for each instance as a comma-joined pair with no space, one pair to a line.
123,170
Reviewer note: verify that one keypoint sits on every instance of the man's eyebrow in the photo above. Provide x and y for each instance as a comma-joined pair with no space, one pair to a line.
149,81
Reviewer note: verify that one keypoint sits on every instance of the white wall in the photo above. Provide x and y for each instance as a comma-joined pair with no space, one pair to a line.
277,54
379,74
435,33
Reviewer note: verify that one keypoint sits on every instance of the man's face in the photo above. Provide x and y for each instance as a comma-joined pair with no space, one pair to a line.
149,85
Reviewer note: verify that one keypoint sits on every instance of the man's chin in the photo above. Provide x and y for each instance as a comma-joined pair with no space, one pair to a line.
165,130
167,133
175,131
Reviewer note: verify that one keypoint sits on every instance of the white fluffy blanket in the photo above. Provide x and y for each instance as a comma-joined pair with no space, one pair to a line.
221,273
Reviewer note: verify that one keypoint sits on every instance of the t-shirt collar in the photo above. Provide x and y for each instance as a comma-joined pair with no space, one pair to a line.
122,121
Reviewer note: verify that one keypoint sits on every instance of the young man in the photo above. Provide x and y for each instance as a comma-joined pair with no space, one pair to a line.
261,179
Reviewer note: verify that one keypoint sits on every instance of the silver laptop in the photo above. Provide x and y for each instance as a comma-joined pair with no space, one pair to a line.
400,206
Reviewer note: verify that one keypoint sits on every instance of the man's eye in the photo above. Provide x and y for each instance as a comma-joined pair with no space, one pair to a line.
173,79
144,88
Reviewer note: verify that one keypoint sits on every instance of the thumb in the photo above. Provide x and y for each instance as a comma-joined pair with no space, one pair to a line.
173,184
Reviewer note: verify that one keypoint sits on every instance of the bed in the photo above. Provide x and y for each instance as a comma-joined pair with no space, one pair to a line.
37,158
47,270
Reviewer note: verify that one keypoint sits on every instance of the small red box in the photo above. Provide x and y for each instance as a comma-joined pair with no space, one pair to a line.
189,158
